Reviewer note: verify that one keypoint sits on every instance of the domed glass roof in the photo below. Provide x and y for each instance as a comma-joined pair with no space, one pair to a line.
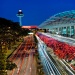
63,17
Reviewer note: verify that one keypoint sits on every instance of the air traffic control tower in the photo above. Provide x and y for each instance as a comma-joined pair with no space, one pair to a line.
20,15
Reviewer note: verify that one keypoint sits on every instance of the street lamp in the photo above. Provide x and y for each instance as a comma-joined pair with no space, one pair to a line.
20,15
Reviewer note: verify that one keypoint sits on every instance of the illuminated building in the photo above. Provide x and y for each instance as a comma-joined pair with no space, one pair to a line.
62,23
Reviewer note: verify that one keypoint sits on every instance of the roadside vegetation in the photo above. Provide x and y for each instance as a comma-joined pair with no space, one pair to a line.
11,35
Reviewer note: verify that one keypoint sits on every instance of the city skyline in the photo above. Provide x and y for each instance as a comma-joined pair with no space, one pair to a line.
35,12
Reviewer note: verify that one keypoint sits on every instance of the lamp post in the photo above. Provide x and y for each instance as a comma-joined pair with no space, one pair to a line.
20,15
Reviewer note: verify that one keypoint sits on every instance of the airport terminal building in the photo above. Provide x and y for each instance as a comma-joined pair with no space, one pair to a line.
62,23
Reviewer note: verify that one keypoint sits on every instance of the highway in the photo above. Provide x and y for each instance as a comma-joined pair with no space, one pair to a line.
49,66
24,59
30,69
68,40
53,65
63,68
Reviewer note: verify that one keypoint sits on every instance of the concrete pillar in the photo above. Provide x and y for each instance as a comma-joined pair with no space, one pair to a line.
70,31
58,30
62,30
66,31
74,30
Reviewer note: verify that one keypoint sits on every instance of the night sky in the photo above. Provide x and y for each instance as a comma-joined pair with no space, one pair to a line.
35,11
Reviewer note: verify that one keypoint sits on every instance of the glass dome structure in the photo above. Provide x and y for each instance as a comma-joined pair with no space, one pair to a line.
63,23
63,17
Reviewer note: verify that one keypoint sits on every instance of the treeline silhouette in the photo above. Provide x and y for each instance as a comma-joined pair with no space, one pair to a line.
10,27
10,32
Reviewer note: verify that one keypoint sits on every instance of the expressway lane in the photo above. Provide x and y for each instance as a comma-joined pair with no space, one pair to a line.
14,58
19,60
65,68
56,61
49,66
31,67
24,59
68,40
24,66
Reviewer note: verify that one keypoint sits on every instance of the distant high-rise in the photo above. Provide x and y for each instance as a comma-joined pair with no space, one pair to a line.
20,15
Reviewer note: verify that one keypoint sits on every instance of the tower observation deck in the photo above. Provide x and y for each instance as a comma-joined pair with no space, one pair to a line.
20,15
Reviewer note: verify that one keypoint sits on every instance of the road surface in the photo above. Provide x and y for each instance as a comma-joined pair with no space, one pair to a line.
24,59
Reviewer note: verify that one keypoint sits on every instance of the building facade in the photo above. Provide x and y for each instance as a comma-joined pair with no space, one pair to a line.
62,23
